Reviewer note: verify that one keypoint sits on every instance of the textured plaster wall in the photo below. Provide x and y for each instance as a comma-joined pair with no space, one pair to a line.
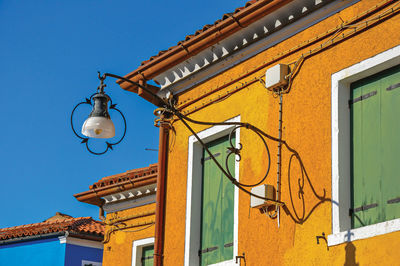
45,252
118,251
307,129
74,255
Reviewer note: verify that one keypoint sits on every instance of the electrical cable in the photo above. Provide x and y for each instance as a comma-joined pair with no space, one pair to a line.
133,231
333,40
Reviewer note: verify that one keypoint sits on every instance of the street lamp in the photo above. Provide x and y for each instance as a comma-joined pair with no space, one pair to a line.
99,125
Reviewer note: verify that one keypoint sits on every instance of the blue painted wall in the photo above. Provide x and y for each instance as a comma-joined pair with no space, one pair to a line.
75,254
44,252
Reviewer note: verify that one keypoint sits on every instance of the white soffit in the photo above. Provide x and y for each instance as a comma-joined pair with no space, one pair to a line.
256,38
130,198
80,242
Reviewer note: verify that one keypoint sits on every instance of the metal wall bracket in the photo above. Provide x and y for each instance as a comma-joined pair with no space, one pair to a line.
240,257
322,236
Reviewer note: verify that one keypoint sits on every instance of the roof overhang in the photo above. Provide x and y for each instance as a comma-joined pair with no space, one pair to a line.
130,184
278,22
95,195
194,45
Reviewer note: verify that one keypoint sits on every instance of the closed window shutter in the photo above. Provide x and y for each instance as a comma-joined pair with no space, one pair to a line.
390,139
147,256
228,207
217,206
375,145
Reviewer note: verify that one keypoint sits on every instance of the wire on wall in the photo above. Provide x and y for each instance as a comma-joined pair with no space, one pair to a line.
354,26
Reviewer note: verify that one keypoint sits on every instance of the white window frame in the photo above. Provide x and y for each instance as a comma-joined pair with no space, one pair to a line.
193,194
341,192
137,247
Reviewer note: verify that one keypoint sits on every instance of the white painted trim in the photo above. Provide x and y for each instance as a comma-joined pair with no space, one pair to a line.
192,229
137,246
80,242
341,222
364,232
225,263
207,64
129,204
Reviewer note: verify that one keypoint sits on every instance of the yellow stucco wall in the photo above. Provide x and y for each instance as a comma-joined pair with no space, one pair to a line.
307,129
118,250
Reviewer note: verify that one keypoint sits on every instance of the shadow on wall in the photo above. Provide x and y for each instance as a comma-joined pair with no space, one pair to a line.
350,254
297,181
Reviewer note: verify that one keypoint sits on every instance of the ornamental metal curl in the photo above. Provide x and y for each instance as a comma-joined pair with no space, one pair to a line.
233,150
86,139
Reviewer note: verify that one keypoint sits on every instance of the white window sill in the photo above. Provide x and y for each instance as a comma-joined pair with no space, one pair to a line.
225,263
364,232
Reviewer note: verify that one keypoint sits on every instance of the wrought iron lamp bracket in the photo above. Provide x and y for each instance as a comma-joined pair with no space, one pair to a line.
167,109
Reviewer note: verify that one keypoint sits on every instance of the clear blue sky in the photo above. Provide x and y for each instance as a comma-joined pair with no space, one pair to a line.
49,54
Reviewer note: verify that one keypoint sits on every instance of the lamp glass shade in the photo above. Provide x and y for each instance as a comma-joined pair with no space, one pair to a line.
98,127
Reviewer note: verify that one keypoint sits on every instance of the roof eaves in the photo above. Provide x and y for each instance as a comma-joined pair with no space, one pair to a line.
193,44
118,183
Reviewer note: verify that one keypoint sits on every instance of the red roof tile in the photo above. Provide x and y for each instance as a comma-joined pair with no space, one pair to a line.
206,27
81,225
151,170
193,44
117,183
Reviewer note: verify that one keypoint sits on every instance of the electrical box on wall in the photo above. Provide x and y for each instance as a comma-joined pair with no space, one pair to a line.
275,77
265,191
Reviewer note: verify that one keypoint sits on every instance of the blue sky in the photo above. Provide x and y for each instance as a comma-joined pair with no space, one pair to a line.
50,52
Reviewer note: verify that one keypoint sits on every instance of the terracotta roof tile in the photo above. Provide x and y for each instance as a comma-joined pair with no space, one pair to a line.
83,225
117,183
204,28
151,170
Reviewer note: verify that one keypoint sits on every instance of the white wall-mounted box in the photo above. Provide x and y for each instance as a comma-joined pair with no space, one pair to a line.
265,191
275,77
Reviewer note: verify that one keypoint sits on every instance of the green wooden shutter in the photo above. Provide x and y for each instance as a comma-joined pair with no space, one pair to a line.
375,119
147,256
390,134
217,206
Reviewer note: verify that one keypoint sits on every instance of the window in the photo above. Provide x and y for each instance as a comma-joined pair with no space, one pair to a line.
147,258
142,252
375,137
211,231
365,144
217,206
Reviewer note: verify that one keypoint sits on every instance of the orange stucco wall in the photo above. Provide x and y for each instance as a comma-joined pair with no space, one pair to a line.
118,250
307,129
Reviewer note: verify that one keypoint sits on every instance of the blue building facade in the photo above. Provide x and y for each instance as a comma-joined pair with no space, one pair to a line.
81,255
34,253
77,243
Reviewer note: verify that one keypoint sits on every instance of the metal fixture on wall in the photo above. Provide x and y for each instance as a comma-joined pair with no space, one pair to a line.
166,111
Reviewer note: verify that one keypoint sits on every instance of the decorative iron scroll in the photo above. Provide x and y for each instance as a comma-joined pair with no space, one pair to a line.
232,149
